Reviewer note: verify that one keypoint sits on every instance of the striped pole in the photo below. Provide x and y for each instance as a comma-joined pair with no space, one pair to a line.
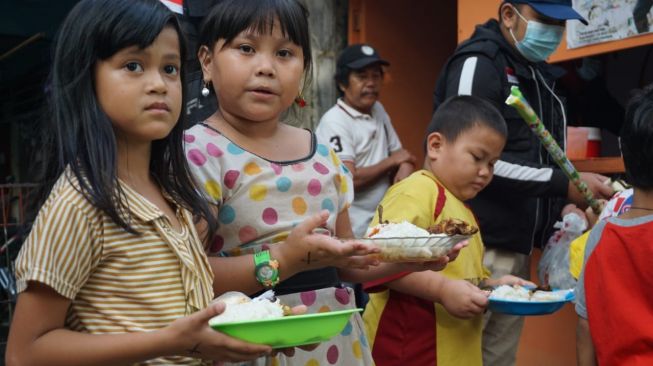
516,100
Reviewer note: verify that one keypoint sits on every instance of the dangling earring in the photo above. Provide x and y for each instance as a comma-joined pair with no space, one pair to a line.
205,89
301,102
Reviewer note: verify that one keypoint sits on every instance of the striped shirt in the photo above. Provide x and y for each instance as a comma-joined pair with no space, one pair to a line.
118,282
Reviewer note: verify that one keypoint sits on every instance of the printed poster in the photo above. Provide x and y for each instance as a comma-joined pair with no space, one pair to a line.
609,20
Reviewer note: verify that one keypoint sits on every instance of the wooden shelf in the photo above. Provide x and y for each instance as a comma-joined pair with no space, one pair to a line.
605,165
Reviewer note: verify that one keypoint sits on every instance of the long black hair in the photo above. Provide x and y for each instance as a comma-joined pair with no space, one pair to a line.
78,133
230,17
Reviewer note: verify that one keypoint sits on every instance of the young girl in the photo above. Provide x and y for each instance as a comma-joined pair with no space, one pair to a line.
265,176
113,271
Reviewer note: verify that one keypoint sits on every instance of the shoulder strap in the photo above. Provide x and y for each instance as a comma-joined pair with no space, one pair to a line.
439,203
441,200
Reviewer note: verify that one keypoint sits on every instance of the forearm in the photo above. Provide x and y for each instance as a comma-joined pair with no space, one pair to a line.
426,285
584,345
237,273
367,275
69,348
365,176
528,180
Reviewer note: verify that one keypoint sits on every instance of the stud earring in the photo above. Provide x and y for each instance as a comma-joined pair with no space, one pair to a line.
301,102
205,89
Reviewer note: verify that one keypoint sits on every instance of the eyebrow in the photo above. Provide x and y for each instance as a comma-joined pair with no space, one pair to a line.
172,56
254,35
135,51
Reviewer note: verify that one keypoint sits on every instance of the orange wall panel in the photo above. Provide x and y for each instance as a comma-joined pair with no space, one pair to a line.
416,39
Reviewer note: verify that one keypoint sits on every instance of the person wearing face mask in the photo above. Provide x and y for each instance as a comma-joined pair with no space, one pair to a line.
517,210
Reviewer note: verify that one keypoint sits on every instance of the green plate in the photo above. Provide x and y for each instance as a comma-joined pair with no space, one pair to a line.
289,331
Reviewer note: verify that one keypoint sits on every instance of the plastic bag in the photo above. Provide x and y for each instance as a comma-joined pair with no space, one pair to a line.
553,269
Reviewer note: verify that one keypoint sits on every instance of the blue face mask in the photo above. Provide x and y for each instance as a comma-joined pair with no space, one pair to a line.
540,40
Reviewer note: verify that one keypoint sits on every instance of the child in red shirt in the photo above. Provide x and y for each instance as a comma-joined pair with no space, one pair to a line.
614,289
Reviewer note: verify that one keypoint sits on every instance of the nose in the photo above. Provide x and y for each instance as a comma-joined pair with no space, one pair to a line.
485,171
157,83
265,66
370,83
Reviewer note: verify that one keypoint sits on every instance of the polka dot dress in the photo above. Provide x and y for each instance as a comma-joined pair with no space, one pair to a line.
260,201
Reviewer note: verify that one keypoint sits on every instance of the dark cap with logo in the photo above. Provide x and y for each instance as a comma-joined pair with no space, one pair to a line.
554,9
358,56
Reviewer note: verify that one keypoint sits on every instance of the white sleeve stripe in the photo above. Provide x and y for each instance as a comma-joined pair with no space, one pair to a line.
520,172
467,76
175,6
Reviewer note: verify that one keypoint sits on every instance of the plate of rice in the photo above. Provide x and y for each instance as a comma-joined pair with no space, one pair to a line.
518,300
264,320
405,242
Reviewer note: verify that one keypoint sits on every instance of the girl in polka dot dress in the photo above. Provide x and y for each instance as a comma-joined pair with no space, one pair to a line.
265,177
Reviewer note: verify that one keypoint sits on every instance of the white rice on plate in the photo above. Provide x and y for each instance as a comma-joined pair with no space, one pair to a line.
239,307
519,293
403,229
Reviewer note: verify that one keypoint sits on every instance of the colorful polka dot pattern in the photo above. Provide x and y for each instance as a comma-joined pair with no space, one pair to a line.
259,202
258,199
350,347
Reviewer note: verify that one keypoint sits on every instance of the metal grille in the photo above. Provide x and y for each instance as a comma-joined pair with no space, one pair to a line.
13,225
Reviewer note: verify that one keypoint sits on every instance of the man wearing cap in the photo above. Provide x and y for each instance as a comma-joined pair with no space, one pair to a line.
519,207
360,132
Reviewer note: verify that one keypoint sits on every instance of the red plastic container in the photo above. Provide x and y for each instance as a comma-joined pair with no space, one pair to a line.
593,142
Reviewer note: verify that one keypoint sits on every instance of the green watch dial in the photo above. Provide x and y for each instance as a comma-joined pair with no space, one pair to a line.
266,269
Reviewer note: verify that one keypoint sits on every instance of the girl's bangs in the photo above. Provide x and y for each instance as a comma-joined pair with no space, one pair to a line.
259,18
134,27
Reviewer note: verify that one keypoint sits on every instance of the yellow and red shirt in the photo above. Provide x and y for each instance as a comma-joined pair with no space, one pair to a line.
401,328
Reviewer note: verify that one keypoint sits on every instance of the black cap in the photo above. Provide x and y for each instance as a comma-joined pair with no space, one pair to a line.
358,56
554,9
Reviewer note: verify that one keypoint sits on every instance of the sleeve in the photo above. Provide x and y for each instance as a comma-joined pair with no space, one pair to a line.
204,168
592,241
60,251
402,206
338,135
526,179
577,253
344,182
394,143
477,75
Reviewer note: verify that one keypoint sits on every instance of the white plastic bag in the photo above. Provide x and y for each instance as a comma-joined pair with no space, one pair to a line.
553,269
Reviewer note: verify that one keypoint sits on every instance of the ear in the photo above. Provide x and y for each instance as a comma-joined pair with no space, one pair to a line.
508,16
206,60
435,141
341,87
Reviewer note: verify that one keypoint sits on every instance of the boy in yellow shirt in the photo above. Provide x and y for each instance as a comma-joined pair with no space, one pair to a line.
430,318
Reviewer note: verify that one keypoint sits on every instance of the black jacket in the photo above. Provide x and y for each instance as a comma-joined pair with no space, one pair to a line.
518,208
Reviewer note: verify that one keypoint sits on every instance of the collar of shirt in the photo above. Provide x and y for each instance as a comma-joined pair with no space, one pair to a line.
139,206
353,113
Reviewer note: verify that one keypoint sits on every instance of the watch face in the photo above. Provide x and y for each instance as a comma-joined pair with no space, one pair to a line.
266,272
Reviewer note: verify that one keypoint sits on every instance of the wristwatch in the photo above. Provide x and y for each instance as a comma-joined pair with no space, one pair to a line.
266,269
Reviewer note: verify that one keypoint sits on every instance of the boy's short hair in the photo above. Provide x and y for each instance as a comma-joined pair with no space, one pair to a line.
460,113
636,139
